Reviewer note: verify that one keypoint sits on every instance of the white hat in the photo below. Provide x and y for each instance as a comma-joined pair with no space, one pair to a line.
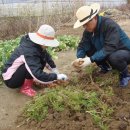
86,13
44,36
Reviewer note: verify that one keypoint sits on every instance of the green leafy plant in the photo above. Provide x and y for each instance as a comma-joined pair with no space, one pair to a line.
67,42
70,98
6,48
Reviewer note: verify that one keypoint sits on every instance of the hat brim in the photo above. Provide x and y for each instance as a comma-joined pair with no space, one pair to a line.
94,7
45,42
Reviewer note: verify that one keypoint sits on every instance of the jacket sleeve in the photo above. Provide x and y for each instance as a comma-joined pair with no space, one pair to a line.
111,41
34,66
50,61
83,46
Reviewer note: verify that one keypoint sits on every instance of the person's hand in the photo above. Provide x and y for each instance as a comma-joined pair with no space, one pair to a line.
55,70
76,63
86,62
62,77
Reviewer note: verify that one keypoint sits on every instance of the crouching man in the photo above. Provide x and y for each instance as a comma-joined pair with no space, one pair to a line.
103,42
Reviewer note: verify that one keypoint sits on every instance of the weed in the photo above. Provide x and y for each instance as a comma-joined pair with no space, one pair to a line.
70,98
89,70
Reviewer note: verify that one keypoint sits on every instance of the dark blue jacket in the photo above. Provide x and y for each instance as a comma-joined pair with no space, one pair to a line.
107,38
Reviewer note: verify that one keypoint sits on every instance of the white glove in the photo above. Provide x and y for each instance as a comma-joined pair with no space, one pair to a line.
55,70
86,62
62,77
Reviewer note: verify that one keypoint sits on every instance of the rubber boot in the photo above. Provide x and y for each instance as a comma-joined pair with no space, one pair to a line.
27,88
124,78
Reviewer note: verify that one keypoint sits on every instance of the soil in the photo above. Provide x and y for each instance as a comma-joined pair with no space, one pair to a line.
12,102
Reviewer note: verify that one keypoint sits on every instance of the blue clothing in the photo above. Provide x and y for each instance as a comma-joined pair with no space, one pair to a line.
107,38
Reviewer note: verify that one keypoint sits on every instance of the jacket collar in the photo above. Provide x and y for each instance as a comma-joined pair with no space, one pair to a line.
99,19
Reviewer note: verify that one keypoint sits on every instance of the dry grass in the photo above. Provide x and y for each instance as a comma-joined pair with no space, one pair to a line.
14,25
11,27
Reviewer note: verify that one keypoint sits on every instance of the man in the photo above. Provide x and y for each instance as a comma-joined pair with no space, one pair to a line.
103,42
28,60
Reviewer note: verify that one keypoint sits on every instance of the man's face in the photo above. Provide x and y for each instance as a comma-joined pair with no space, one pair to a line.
91,25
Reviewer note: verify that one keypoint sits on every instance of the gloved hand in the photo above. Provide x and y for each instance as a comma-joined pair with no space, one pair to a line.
62,77
76,63
86,62
55,70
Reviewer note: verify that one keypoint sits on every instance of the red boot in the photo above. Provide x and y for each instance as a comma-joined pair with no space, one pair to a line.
27,88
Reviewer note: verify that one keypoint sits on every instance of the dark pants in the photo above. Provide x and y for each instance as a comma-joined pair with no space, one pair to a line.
18,77
118,60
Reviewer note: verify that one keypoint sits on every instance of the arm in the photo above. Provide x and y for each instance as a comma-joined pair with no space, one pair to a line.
49,60
34,66
51,64
83,46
